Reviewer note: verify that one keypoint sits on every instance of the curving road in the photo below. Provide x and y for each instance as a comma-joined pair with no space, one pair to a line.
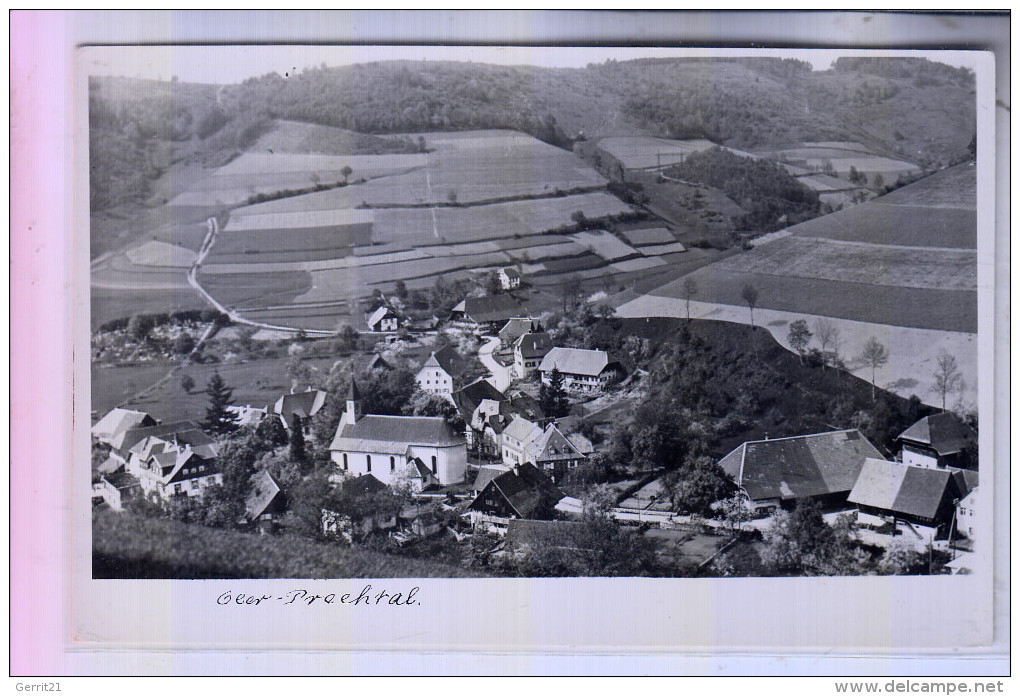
501,375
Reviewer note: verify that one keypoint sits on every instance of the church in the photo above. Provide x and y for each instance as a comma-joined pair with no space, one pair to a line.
394,448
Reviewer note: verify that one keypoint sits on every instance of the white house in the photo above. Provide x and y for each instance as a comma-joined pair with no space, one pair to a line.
387,447
517,439
529,350
587,371
383,319
439,372
509,278
167,470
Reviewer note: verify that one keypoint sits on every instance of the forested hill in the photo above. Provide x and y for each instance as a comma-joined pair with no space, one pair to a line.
906,108
900,106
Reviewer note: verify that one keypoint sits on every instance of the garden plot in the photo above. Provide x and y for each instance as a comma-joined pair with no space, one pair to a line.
605,245
649,235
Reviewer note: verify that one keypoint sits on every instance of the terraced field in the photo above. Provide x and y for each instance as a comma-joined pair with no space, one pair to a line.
843,156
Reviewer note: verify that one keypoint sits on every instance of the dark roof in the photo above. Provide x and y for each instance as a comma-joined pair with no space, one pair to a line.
352,391
552,446
943,432
528,491
534,345
510,272
189,430
966,480
378,363
379,314
365,484
302,404
468,398
490,308
264,491
555,533
799,467
526,406
393,434
903,489
121,479
449,359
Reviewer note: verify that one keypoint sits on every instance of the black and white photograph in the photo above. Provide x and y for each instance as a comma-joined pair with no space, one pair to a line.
502,312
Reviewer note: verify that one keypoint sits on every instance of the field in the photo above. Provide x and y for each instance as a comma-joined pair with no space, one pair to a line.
639,152
876,222
843,156
255,383
860,263
129,547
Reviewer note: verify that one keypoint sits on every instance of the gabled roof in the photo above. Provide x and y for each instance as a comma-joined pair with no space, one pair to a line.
119,421
581,443
516,327
528,491
510,272
264,491
903,489
526,406
448,359
469,398
489,308
553,446
575,361
128,439
799,467
966,481
522,430
943,432
394,434
533,345
182,434
486,474
121,480
379,314
302,404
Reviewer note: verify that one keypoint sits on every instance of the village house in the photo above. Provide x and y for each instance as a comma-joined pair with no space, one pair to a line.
386,446
517,327
517,439
383,319
248,415
169,435
509,278
168,469
890,493
336,520
585,371
822,467
265,504
523,492
966,511
529,350
938,441
117,488
483,408
117,422
487,313
439,373
301,405
554,454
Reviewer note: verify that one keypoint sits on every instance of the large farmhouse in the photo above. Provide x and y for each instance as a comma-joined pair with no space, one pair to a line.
383,319
387,446
892,492
523,492
529,350
822,467
586,371
488,312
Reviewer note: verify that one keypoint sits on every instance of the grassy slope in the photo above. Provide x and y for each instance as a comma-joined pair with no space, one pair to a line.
130,547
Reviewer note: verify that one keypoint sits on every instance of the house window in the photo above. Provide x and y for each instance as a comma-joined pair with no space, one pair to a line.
201,467
345,461
435,468
194,484
368,458
393,464
177,488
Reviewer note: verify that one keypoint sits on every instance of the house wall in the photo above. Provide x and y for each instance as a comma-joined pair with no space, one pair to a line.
192,487
583,383
917,456
435,380
450,463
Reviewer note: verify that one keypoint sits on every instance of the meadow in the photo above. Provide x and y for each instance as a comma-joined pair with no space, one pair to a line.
640,152
877,222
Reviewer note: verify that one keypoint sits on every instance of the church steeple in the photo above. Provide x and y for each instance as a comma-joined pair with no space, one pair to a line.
353,410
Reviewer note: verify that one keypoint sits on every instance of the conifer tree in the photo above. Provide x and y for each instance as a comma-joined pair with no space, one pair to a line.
218,419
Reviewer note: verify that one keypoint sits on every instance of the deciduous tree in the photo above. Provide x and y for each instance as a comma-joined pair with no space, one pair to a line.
875,355
750,295
799,337
947,376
